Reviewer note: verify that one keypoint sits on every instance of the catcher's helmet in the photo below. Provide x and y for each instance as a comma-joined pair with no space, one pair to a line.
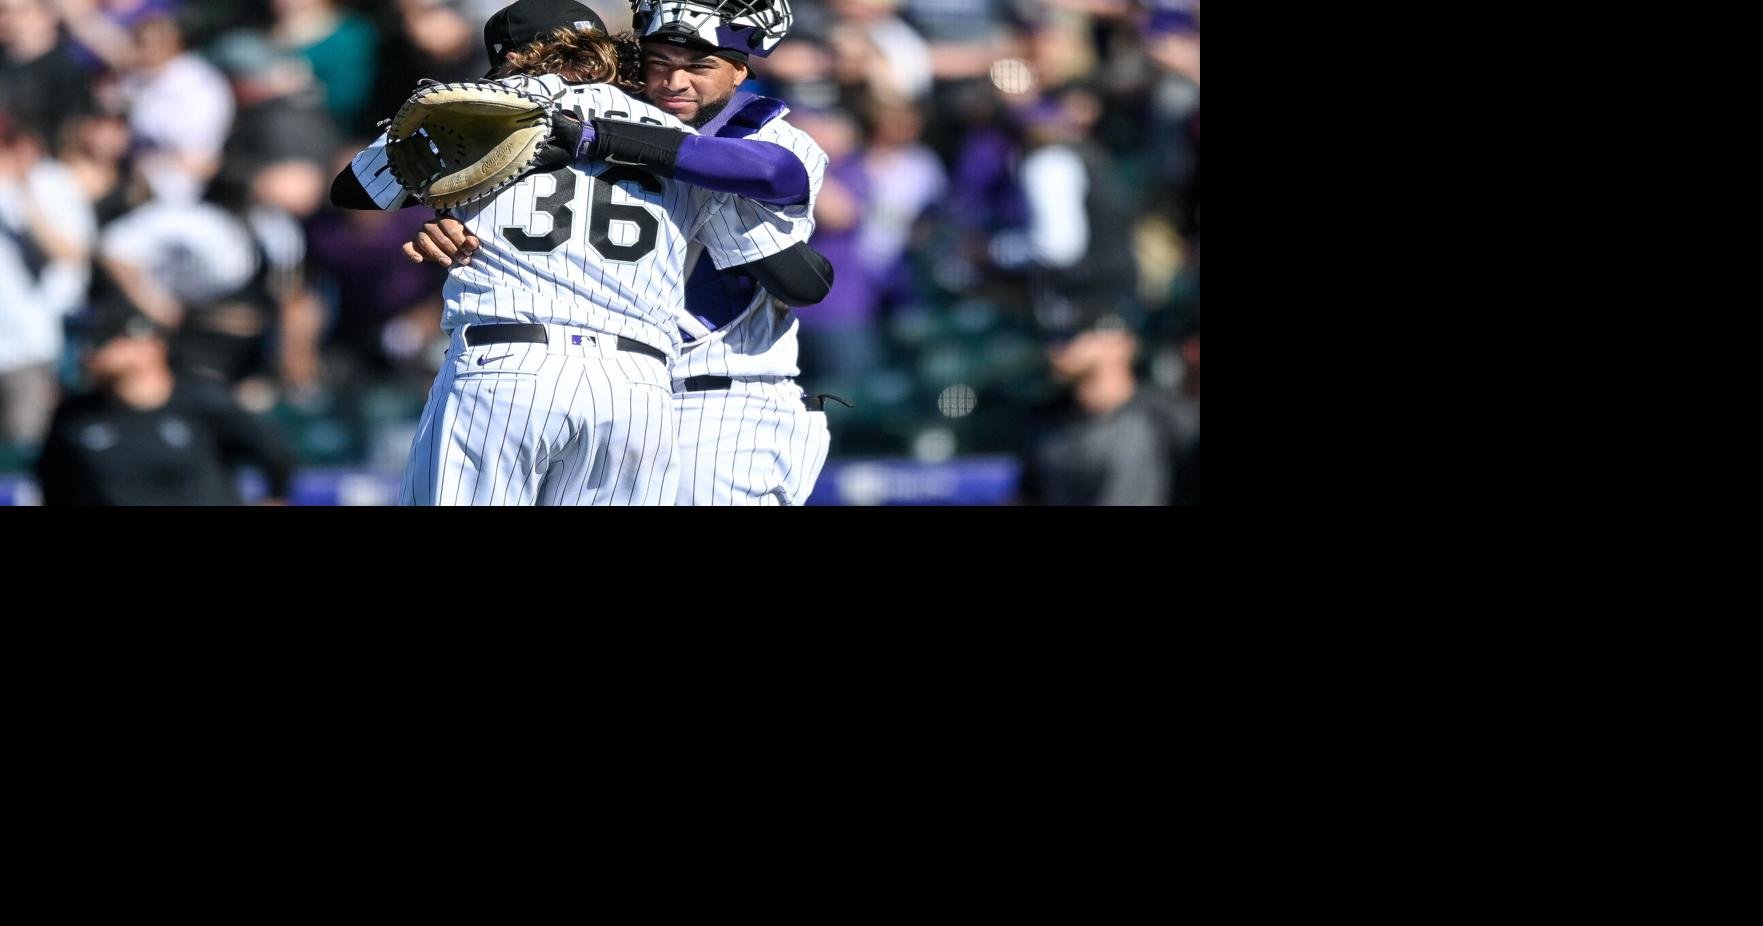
751,27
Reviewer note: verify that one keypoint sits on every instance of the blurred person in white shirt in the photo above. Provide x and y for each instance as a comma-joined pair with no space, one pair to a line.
46,232
180,108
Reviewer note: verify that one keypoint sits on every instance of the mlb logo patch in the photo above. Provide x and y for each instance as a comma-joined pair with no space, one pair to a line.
576,339
584,25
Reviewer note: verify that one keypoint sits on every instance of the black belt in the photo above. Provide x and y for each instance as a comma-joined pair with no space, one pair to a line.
707,383
476,335
814,403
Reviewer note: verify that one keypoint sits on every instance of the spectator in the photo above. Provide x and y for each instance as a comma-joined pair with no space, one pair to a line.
46,231
965,36
384,312
1116,443
195,269
431,40
95,149
840,343
1078,246
180,110
40,82
103,30
878,50
146,436
905,181
340,48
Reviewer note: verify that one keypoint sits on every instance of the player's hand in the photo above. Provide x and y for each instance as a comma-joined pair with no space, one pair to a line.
571,139
570,133
443,241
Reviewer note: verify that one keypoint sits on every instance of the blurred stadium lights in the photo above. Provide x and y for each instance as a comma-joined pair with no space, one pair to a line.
957,401
1014,76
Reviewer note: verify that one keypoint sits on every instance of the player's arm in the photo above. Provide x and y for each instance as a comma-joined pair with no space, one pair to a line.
367,182
759,170
796,277
754,240
348,193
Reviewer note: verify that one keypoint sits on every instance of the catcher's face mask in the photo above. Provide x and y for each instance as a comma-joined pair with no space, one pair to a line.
747,27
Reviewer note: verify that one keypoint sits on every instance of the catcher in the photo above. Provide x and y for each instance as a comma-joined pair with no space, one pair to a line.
555,390
749,434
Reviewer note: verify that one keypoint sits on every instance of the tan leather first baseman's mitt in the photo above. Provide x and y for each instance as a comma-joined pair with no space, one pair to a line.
452,144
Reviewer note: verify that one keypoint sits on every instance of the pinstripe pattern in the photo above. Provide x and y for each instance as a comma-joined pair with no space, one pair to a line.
486,437
493,433
790,223
576,284
761,341
374,173
754,444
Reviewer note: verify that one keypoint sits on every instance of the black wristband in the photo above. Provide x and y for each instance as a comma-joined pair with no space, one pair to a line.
348,193
653,147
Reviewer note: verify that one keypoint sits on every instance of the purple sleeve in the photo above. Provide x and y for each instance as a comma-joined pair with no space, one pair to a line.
758,170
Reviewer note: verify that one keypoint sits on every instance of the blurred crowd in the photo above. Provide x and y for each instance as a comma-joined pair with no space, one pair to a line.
1012,206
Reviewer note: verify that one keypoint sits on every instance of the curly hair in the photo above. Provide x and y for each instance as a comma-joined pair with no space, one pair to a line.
630,61
580,58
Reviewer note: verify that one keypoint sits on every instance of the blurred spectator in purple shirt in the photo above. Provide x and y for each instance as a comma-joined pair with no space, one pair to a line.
102,29
386,309
905,181
840,342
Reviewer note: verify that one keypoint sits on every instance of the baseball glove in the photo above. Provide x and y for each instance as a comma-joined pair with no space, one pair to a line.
452,144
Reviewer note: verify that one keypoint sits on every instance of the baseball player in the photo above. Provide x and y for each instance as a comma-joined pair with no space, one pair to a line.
748,434
556,388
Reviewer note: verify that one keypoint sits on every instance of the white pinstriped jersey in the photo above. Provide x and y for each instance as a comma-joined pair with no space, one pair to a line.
752,442
597,245
736,330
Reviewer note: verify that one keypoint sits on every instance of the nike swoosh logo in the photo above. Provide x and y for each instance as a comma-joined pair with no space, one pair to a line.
483,360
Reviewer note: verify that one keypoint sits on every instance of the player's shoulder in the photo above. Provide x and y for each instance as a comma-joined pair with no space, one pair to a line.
545,85
780,131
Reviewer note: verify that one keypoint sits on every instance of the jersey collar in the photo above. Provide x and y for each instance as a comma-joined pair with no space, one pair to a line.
745,114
